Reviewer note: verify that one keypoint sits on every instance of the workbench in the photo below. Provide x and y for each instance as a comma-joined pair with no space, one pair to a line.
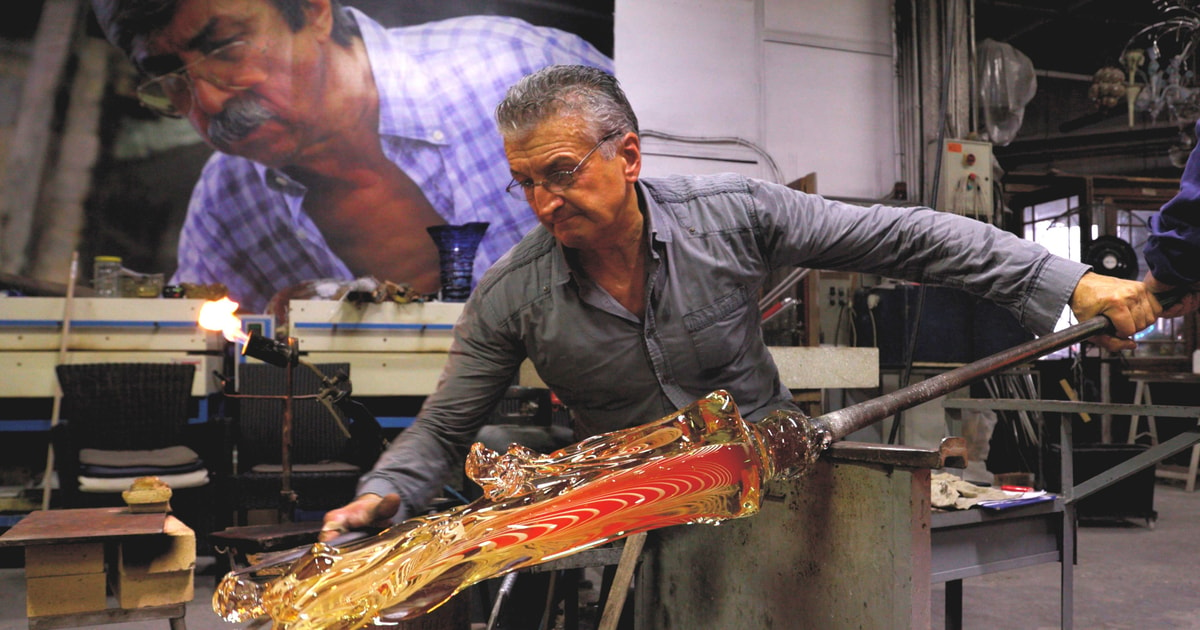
1015,539
975,542
150,562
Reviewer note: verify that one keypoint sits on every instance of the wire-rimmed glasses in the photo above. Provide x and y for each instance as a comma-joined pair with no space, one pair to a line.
555,182
170,94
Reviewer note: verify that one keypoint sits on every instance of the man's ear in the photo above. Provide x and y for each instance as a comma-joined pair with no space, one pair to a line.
630,150
319,14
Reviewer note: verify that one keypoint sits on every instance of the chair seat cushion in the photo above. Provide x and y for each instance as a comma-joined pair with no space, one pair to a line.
193,479
321,467
90,470
169,456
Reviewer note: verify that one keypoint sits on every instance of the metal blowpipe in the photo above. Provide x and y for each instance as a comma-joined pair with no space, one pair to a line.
703,464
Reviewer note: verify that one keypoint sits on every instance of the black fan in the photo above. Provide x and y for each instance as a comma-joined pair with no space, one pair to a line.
1112,256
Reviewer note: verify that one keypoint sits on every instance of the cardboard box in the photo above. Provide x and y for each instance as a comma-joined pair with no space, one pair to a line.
64,594
173,551
64,559
141,590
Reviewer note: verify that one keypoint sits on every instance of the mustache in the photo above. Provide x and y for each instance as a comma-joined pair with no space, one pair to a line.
239,119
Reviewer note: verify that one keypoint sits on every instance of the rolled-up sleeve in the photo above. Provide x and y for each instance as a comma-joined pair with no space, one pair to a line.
1172,249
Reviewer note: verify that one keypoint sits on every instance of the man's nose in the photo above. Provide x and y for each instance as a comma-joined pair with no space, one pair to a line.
208,97
545,202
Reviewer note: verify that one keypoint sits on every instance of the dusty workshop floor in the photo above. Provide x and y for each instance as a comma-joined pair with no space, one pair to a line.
1128,576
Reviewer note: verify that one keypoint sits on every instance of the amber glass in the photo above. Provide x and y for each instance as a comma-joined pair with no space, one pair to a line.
704,464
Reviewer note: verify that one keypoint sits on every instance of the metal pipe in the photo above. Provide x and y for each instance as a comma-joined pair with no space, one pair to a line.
839,424
788,282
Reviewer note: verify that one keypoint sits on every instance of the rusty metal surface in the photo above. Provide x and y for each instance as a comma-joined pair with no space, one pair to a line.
46,527
845,547
951,453
260,538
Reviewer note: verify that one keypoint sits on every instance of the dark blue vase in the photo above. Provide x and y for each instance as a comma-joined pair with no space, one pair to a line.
456,246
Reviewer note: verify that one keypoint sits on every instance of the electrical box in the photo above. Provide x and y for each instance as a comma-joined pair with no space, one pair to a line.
834,303
965,186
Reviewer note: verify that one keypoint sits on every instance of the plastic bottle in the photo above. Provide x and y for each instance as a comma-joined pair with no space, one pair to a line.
106,274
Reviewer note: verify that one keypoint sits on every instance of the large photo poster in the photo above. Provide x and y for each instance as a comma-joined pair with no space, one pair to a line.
264,144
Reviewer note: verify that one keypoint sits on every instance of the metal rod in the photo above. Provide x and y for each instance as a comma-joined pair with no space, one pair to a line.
839,424
1133,465
785,284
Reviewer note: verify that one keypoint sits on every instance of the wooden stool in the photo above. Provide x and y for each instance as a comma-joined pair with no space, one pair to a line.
1141,396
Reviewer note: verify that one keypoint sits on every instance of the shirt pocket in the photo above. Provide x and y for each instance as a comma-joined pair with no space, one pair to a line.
718,330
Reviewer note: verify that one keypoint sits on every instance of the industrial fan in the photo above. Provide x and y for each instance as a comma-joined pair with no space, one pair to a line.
1112,256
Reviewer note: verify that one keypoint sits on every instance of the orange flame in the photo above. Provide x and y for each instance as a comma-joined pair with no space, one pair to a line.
218,315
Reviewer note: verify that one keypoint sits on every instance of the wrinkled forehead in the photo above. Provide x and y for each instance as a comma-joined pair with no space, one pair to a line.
194,25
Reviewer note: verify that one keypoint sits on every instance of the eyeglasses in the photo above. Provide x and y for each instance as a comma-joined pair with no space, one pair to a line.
555,182
171,94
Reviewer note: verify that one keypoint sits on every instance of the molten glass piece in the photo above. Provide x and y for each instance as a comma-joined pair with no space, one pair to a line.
704,464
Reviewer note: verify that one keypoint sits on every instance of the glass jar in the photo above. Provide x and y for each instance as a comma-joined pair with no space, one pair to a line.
106,274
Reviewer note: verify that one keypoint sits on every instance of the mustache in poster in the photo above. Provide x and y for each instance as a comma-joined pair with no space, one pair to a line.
239,119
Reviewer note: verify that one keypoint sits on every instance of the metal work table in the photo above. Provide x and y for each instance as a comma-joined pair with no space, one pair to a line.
970,543
976,544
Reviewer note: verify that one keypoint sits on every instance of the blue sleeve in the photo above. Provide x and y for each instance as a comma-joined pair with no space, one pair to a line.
1173,248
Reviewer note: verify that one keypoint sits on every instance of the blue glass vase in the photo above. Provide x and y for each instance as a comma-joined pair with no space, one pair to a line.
456,246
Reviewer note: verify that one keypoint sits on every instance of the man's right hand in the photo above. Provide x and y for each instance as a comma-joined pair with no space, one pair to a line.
368,510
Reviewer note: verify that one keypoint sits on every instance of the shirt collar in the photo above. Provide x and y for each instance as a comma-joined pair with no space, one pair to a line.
654,216
403,86
563,271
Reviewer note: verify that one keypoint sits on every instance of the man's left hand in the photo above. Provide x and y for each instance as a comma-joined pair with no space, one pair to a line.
1189,303
1127,303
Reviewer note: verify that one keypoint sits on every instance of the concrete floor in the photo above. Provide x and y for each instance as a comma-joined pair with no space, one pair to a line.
1128,576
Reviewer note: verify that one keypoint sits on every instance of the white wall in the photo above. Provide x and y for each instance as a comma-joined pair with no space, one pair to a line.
808,81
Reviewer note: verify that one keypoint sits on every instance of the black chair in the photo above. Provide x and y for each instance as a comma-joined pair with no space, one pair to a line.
326,460
122,421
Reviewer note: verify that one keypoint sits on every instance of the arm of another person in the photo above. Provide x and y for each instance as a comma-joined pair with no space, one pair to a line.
481,365
924,245
1172,250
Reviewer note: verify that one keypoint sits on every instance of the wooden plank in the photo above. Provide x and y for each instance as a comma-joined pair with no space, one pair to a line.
617,593
59,526
26,160
112,615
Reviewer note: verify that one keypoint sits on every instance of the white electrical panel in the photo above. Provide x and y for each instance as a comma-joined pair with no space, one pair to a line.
966,180
835,304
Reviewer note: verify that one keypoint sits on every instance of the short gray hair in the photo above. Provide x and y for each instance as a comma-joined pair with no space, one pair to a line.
584,91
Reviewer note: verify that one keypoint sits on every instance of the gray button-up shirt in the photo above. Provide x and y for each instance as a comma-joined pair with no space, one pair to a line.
713,242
